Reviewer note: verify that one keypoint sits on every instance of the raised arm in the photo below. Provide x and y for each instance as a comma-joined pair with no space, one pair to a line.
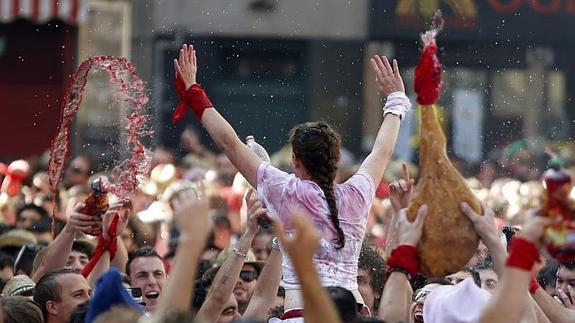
511,300
191,211
194,96
266,287
391,86
317,305
227,276
399,196
58,251
396,297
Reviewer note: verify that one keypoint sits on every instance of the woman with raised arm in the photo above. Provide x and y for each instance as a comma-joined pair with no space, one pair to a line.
338,210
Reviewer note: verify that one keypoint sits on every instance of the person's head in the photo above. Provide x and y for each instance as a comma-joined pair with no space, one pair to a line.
6,266
78,172
419,297
547,277
565,278
487,274
245,285
344,302
120,314
147,271
463,274
261,245
59,292
79,255
18,309
230,310
29,214
79,314
370,276
316,152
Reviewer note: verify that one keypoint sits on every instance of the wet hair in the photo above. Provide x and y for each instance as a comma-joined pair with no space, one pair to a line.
6,260
316,145
486,263
145,252
48,288
372,261
344,303
17,309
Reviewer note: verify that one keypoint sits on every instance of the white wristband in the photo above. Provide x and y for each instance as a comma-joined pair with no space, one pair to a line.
397,104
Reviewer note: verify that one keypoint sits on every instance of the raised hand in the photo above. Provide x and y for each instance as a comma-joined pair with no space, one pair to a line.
400,191
410,232
256,212
191,212
79,222
484,224
387,77
186,65
533,227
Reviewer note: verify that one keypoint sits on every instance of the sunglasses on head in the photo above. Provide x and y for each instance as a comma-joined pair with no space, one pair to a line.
248,276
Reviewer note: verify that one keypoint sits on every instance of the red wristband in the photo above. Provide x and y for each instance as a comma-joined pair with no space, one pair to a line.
533,285
522,254
404,257
104,245
195,97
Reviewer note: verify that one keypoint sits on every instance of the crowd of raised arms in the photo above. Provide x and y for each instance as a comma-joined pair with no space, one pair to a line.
313,236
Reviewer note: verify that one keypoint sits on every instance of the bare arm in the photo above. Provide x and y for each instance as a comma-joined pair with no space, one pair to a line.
389,81
266,287
245,160
552,309
191,211
396,296
121,258
301,248
399,196
101,267
58,250
227,276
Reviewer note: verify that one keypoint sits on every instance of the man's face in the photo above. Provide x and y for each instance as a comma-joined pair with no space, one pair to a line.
260,246
565,278
419,297
27,217
246,284
489,279
74,291
77,173
77,261
149,274
367,293
458,277
230,311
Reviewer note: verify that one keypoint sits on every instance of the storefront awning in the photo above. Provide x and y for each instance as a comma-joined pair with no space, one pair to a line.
41,11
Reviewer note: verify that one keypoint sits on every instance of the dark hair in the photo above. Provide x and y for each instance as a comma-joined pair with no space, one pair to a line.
40,210
144,252
79,314
344,302
548,274
317,145
486,263
6,260
18,309
83,247
48,289
372,261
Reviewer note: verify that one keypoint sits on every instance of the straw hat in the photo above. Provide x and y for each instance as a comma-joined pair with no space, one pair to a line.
16,238
19,285
224,254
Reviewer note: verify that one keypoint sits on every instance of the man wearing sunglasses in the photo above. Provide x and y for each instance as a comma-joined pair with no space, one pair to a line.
246,284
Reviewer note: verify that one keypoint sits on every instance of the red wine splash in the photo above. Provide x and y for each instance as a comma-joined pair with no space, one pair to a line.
129,90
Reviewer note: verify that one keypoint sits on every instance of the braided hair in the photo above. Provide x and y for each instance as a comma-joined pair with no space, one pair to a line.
316,145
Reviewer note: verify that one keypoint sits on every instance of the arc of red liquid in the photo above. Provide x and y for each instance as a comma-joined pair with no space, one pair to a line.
131,89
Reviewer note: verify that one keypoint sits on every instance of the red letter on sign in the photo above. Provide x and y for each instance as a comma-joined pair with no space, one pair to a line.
554,6
509,7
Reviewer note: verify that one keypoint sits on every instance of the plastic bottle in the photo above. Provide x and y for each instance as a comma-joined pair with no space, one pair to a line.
560,234
257,148
97,202
263,154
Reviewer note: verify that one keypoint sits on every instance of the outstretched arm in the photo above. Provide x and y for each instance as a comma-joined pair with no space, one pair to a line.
396,297
391,85
245,160
191,211
266,287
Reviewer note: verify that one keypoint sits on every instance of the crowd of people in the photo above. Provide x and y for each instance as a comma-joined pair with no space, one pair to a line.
227,237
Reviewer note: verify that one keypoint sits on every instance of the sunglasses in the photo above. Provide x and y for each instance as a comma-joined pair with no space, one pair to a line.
248,276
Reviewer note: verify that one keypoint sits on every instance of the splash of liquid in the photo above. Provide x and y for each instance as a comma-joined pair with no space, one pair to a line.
428,71
129,90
